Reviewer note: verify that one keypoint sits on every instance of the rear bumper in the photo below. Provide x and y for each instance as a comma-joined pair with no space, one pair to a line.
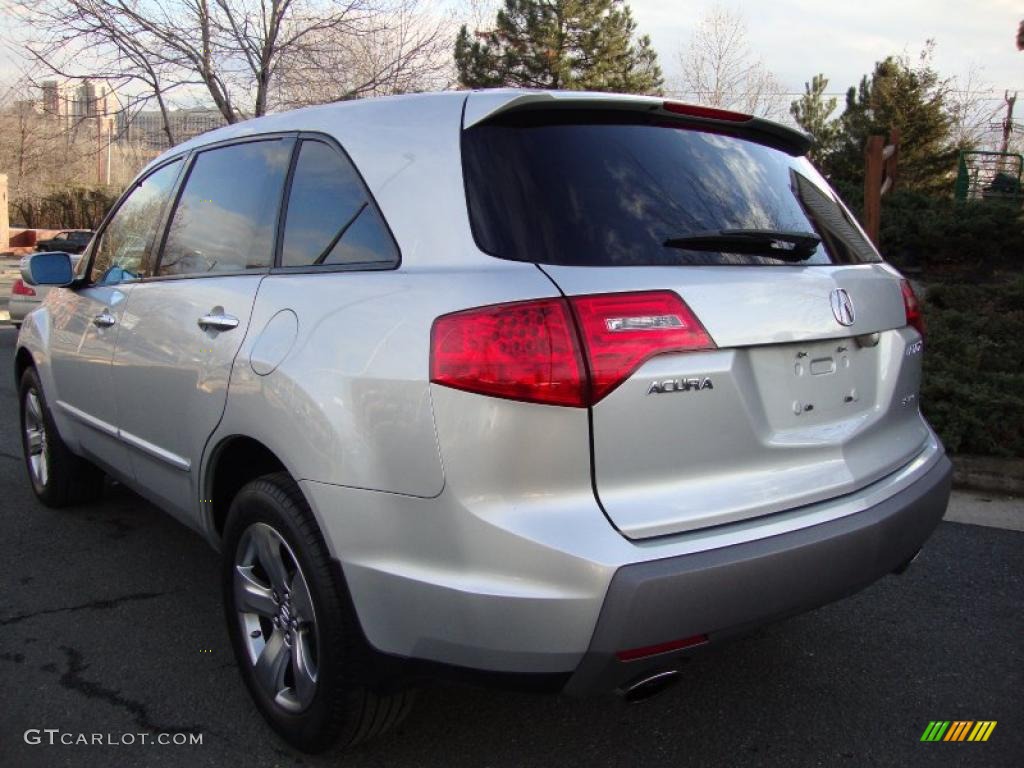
19,306
723,591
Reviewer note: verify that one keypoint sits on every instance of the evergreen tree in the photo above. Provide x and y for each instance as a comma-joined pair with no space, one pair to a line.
813,113
912,100
568,44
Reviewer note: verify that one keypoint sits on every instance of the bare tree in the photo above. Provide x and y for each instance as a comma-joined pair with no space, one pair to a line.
974,113
24,144
48,160
231,49
479,14
719,68
408,49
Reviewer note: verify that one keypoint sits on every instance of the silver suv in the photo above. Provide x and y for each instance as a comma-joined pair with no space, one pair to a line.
545,390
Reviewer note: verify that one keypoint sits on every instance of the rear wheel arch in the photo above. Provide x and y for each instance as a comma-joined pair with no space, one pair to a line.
235,461
23,360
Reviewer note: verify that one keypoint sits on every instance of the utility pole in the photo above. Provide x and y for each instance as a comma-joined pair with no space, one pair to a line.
99,148
1008,121
1007,129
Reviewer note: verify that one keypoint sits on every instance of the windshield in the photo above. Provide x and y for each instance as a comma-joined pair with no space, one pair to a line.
586,189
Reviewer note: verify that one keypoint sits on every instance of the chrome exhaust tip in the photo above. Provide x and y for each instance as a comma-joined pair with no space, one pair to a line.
649,686
902,568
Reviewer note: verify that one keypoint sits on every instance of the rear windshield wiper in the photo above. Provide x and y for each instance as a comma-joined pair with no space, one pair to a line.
775,244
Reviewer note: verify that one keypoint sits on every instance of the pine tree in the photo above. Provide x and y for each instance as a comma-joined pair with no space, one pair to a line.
912,100
813,113
566,44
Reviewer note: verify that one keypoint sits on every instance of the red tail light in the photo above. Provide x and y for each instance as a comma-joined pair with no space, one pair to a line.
530,350
621,331
707,113
524,351
20,289
915,318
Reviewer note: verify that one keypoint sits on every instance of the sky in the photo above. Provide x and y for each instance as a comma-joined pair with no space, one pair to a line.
799,38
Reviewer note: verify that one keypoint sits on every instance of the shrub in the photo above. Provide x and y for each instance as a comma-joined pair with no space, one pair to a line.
973,387
969,240
67,208
944,238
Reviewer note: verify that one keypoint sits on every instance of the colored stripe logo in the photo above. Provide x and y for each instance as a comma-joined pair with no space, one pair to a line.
958,730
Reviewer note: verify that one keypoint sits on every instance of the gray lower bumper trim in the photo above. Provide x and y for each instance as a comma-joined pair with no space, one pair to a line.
723,590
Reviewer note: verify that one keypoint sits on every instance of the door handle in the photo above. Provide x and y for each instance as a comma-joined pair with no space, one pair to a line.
104,319
218,321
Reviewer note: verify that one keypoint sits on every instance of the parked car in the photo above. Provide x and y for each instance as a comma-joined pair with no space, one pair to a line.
544,390
69,241
24,297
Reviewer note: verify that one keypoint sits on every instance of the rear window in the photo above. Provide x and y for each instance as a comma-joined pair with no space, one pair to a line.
583,189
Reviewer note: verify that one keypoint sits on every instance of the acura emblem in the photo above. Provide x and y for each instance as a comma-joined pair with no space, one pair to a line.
842,306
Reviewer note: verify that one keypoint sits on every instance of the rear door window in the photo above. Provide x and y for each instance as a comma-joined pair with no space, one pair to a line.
592,189
226,215
331,219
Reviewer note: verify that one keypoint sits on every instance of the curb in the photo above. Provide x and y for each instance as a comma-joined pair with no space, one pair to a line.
988,473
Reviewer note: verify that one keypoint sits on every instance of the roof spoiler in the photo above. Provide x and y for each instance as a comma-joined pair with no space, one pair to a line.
482,106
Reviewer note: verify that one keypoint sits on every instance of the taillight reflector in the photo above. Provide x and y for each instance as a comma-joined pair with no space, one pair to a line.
912,307
706,113
653,650
19,288
531,350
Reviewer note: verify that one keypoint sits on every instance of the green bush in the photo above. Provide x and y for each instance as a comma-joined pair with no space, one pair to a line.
944,238
973,388
973,239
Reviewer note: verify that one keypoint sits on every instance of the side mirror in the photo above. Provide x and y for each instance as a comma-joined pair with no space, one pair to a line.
50,268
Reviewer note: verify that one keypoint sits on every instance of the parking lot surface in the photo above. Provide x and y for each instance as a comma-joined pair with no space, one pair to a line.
110,623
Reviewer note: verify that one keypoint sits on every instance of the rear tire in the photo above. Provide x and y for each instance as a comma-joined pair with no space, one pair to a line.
297,642
59,477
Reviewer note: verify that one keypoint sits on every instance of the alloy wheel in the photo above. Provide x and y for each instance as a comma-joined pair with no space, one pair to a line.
35,439
277,618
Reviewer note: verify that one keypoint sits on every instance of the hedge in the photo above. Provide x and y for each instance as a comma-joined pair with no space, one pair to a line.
973,387
940,237
68,208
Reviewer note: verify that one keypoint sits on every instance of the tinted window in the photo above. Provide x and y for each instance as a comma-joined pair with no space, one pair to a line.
125,249
331,219
607,192
226,215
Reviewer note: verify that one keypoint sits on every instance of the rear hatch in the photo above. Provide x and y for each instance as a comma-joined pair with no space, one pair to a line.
807,387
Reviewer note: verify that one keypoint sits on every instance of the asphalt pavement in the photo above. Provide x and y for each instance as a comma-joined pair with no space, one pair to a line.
110,624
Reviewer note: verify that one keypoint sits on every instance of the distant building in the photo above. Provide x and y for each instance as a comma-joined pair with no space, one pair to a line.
146,127
79,102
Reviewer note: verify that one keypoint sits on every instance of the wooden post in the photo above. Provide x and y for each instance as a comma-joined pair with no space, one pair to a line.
873,186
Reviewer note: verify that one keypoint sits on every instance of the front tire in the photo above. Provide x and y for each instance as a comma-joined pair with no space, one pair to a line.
59,477
296,642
